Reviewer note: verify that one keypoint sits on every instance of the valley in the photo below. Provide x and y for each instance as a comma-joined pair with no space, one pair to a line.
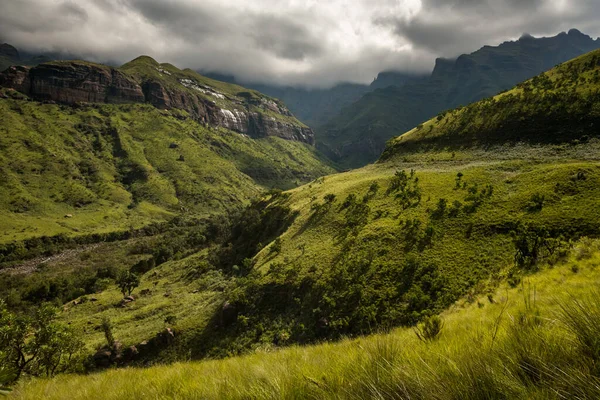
164,234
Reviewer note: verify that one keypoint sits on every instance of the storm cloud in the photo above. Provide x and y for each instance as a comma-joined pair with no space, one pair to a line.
297,42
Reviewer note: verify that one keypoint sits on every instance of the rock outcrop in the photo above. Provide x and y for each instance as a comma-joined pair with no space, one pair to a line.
73,82
16,77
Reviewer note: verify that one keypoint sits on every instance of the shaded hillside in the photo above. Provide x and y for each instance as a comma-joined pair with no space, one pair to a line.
358,135
316,106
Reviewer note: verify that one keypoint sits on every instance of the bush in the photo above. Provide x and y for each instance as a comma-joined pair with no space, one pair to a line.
536,203
430,329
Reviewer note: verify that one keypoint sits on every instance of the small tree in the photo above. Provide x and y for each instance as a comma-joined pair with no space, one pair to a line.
35,344
127,281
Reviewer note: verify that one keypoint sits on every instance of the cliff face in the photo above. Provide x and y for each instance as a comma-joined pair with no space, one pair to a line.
73,82
80,82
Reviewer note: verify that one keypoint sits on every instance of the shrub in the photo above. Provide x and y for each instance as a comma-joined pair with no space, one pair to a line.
329,198
536,203
430,329
36,344
276,246
440,210
106,327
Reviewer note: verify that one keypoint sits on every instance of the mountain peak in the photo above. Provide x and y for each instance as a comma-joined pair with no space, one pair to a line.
576,32
526,36
143,60
9,51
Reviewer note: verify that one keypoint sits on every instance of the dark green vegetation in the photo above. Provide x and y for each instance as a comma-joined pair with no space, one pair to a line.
359,133
36,344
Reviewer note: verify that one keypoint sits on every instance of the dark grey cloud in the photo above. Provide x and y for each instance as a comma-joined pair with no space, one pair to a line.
302,42
451,27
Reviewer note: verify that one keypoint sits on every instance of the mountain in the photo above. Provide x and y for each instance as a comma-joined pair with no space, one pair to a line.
358,134
314,107
9,55
162,85
393,78
473,199
114,148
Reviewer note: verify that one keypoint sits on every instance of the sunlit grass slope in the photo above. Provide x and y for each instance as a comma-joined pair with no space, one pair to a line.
472,198
104,168
536,340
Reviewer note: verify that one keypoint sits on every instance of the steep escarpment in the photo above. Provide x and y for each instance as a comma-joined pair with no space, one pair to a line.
165,87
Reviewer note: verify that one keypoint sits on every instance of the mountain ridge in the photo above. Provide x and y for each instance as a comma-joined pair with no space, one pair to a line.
162,85
358,134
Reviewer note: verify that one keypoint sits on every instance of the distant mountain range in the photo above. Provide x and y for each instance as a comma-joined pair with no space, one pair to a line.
315,107
357,135
354,121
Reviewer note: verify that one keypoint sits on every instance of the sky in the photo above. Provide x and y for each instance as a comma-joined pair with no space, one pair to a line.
313,43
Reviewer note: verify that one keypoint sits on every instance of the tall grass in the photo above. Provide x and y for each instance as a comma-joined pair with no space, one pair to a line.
537,341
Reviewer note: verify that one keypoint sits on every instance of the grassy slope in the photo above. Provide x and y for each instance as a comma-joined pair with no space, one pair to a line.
513,343
557,106
376,262
112,167
376,268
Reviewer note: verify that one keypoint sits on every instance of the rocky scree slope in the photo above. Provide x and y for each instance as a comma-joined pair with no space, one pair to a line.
165,87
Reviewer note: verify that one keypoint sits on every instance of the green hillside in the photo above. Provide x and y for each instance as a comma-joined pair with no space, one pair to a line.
358,134
558,106
109,167
463,212
350,254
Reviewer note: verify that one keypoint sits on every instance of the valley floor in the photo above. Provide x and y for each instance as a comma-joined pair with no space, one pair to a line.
538,339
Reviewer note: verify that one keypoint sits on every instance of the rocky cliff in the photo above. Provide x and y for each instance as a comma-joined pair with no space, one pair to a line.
73,82
165,87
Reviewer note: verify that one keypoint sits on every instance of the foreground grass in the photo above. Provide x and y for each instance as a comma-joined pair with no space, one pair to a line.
538,340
